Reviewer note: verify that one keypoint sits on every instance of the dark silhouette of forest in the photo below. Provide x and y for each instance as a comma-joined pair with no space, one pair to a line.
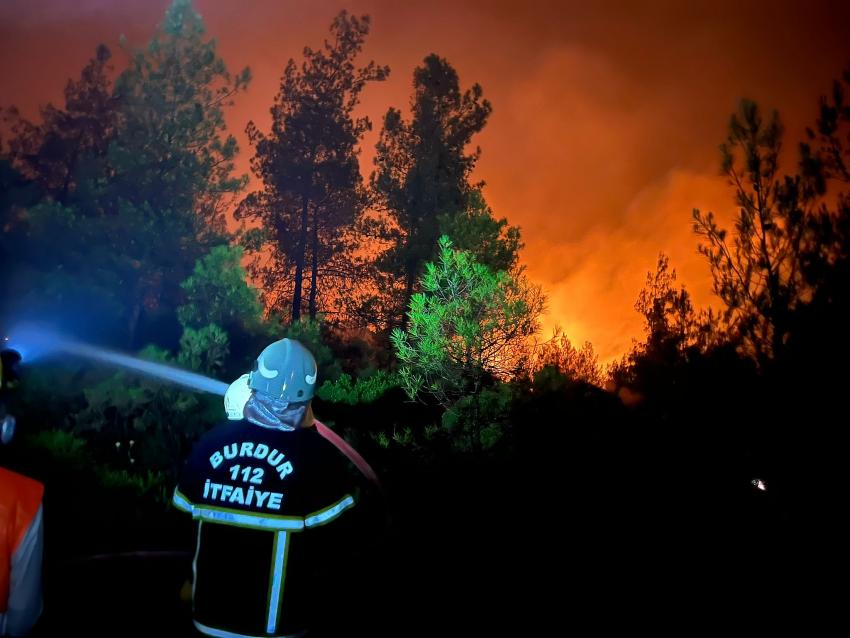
524,485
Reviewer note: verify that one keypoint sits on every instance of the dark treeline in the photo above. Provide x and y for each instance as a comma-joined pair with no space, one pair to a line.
524,483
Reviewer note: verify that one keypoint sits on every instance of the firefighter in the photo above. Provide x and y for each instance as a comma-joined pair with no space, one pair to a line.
9,361
271,499
21,529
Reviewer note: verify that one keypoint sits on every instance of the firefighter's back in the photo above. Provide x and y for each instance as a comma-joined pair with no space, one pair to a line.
267,504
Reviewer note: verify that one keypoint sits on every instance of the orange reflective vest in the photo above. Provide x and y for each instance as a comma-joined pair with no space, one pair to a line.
20,498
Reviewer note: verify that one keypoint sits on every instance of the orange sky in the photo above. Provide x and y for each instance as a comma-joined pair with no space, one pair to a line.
606,118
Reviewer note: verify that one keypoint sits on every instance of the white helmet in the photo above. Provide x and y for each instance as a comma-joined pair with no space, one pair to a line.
236,397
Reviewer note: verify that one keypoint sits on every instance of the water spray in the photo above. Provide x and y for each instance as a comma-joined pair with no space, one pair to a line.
37,341
149,368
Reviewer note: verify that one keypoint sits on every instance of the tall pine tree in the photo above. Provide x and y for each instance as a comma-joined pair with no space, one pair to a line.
134,180
172,159
312,188
422,170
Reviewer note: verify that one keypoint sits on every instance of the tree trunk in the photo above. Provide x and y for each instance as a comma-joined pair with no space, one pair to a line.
66,183
133,324
137,301
299,260
314,274
408,293
476,418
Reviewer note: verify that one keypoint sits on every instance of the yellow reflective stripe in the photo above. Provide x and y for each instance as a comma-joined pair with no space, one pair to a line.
278,575
329,513
252,520
243,519
181,502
